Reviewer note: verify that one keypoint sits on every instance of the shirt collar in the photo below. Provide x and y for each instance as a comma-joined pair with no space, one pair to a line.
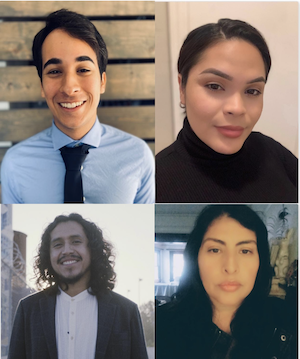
81,296
92,138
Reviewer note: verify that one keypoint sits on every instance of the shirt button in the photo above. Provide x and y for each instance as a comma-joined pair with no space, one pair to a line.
72,312
71,338
283,338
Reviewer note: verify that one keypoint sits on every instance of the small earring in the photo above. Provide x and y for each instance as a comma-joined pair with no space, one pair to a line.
181,105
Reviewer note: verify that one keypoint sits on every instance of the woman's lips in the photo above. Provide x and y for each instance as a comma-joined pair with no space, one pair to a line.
230,286
230,131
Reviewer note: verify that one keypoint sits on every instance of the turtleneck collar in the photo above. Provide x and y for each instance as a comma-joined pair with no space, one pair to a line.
193,149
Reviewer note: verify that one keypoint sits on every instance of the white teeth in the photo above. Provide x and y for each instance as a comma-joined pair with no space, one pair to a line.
71,105
69,262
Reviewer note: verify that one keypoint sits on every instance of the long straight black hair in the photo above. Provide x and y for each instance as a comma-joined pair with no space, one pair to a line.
191,297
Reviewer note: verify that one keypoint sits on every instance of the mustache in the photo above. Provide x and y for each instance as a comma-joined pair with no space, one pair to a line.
69,257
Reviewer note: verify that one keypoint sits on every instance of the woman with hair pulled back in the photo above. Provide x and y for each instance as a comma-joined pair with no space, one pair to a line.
222,309
222,72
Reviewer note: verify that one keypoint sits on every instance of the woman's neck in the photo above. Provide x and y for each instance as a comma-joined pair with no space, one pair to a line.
223,318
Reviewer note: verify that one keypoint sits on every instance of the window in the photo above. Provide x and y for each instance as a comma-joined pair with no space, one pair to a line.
176,265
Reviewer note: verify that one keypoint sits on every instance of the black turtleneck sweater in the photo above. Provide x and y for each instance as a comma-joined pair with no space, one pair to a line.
262,171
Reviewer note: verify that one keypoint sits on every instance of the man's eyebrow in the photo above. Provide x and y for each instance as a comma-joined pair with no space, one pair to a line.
56,61
84,58
73,236
53,61
247,241
230,78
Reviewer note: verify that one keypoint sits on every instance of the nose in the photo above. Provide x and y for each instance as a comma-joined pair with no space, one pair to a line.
230,264
234,105
69,84
67,248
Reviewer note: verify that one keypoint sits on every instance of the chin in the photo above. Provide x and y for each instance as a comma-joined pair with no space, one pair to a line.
228,148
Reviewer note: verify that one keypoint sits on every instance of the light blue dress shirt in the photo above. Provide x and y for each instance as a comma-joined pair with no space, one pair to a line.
118,169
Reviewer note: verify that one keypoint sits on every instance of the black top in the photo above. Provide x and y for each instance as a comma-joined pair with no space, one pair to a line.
262,171
180,334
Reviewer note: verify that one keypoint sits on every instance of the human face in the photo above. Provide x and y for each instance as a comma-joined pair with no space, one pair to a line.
69,253
223,95
228,263
71,83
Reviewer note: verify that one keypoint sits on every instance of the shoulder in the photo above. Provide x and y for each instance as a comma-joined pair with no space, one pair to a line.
258,139
165,153
125,143
114,134
116,300
21,149
283,313
35,297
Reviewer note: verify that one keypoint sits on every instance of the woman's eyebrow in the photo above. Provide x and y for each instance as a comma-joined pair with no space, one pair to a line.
214,240
217,73
224,243
228,77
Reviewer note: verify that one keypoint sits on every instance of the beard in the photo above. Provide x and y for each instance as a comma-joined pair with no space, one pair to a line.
72,279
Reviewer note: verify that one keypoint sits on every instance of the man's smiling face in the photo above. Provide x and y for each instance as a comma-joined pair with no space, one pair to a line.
71,82
69,253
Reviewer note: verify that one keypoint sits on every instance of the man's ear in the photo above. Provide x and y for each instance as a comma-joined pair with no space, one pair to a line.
103,82
181,90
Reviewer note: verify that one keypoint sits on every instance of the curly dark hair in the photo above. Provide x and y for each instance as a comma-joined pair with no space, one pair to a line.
102,259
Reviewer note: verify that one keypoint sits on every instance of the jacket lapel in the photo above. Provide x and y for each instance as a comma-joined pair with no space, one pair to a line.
106,315
47,307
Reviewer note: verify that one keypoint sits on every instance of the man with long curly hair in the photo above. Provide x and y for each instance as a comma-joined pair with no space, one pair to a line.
78,315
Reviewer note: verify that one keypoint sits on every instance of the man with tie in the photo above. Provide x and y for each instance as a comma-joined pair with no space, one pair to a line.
78,316
78,159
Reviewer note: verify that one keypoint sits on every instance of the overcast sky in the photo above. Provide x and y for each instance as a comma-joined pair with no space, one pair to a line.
130,228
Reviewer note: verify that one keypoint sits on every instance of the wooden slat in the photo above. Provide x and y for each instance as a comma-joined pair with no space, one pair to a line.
17,125
88,8
124,82
124,39
2,153
152,147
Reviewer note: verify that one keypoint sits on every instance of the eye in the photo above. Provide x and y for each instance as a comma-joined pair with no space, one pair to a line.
253,92
76,241
83,71
57,245
53,72
214,87
246,251
214,250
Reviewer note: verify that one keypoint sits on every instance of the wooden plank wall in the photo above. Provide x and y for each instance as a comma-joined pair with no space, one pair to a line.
128,30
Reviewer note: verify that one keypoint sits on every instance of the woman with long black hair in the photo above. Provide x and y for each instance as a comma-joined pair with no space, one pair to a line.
222,308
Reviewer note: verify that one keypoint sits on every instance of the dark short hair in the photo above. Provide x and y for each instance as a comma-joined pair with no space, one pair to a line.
77,26
102,261
201,38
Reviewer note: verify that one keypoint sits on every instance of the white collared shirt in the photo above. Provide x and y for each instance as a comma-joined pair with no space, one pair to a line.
76,322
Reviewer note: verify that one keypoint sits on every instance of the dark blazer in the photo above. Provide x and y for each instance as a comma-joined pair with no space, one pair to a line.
120,333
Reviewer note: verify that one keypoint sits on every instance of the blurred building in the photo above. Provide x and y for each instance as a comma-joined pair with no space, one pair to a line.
13,274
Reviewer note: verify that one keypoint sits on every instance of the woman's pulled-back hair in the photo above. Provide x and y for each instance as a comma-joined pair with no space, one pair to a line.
208,35
102,260
191,296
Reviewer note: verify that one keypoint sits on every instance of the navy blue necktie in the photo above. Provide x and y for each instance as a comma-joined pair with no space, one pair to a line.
73,158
